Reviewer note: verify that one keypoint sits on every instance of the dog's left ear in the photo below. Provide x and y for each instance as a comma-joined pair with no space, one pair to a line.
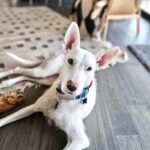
72,37
110,57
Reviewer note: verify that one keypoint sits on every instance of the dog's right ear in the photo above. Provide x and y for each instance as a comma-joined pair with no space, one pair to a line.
72,37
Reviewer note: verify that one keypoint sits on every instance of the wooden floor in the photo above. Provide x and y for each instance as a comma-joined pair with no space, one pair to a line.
121,117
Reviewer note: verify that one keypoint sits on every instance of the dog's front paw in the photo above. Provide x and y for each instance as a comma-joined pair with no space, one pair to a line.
69,147
77,145
66,148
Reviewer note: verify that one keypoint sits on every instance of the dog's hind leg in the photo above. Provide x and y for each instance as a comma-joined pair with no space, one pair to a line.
25,112
44,81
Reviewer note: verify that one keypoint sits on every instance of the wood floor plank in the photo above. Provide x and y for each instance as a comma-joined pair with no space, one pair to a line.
121,120
96,131
108,128
130,143
141,117
133,83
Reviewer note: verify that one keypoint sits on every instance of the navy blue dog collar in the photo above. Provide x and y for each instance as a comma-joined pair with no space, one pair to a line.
83,96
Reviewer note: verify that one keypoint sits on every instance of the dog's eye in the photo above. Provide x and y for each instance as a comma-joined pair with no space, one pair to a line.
89,69
70,61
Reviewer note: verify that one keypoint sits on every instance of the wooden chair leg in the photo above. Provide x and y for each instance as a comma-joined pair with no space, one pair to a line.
105,30
138,26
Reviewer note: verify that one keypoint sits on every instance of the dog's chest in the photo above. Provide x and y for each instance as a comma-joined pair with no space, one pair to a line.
67,111
72,110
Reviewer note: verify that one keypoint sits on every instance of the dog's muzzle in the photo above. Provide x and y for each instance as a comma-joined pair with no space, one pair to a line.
81,97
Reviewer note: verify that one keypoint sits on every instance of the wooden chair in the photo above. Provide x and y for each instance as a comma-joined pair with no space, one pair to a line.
121,9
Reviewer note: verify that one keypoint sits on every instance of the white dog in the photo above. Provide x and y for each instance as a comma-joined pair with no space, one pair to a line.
72,96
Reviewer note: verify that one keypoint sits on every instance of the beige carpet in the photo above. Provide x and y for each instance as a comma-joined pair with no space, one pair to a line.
35,33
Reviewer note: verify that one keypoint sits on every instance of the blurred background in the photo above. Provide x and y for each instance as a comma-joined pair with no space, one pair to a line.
35,29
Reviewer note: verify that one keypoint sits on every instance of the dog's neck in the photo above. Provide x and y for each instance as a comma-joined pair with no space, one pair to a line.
82,97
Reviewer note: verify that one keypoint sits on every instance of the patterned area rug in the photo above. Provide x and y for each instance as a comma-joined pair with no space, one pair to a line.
35,33
142,52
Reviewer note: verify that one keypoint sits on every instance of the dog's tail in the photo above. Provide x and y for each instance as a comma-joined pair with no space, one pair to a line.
23,62
25,112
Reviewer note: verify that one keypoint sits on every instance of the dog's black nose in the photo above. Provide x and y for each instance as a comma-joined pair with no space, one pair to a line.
71,86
